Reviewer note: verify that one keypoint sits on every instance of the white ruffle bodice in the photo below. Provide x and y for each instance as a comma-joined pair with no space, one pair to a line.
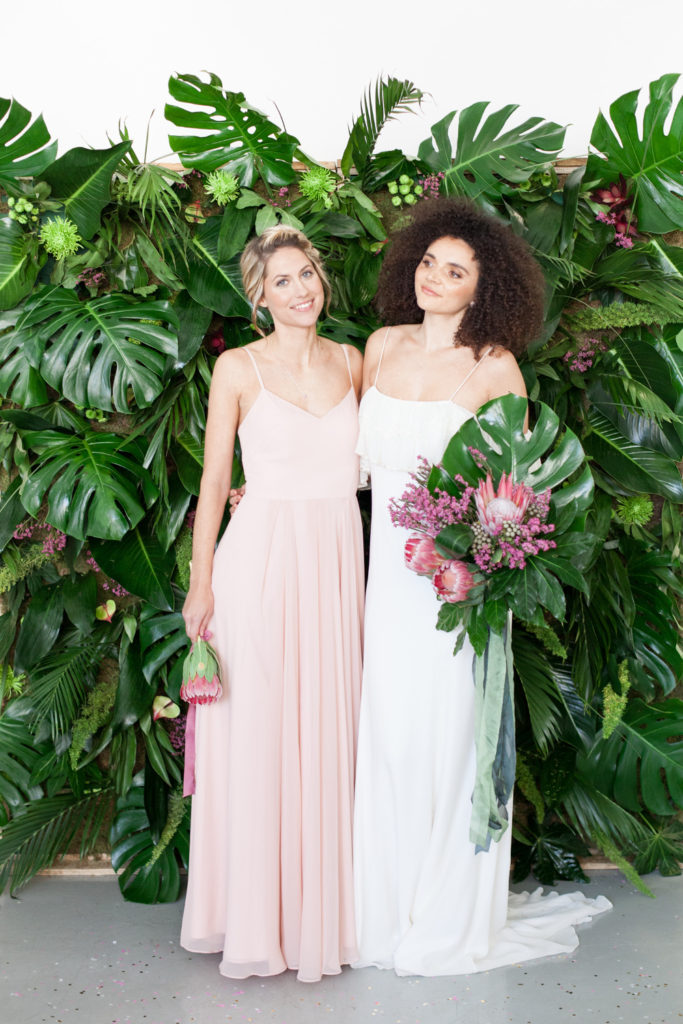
393,432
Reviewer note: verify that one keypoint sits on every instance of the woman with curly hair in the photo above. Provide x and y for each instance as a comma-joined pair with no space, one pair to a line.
463,297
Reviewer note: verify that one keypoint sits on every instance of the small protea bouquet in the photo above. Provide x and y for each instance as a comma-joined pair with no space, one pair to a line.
201,673
499,531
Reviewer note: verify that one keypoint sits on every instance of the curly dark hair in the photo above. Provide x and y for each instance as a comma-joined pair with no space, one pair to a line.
509,300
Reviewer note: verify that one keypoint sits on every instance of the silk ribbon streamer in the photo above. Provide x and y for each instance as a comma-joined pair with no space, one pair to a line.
494,737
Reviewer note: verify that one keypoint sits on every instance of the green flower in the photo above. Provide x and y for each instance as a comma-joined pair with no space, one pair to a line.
60,237
635,511
222,187
613,703
317,184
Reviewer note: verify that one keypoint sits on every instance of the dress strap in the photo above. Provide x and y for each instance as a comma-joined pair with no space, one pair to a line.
374,383
256,369
473,370
348,363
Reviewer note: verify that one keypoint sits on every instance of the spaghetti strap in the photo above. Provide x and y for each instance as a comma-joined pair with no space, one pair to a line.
348,363
473,370
374,383
256,369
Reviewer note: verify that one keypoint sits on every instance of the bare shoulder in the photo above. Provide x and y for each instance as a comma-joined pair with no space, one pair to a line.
355,357
503,374
232,369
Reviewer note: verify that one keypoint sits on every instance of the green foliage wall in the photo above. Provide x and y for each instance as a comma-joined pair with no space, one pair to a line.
119,285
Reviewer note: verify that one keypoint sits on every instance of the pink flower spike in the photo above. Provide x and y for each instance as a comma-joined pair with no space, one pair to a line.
453,581
421,555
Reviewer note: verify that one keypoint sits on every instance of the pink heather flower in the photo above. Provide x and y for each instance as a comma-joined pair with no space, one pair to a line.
623,240
508,504
200,690
176,732
453,581
421,555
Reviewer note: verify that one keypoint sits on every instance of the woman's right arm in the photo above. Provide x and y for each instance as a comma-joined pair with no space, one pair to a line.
221,427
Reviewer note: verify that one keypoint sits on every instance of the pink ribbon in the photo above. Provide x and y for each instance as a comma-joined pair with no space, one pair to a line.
190,751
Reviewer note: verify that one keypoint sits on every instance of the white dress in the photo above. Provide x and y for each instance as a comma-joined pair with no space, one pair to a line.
425,903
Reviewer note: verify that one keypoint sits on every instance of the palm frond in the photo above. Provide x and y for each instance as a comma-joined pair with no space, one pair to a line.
60,681
591,811
389,98
35,839
543,698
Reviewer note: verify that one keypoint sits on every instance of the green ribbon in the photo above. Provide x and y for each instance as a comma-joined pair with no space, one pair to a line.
494,738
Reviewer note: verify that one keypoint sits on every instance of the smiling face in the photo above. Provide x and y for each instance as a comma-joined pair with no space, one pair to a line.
292,290
446,277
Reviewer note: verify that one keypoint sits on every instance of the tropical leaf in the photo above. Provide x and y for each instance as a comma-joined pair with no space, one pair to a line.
11,511
635,468
498,429
96,352
81,181
641,764
240,138
140,564
161,636
61,680
547,710
634,272
661,847
92,483
25,147
653,164
34,840
143,876
40,626
486,158
18,755
20,263
210,281
389,98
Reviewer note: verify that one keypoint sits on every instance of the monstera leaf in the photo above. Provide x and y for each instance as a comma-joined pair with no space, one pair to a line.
653,164
146,875
484,159
498,429
240,138
91,481
81,180
25,148
96,351
19,263
641,764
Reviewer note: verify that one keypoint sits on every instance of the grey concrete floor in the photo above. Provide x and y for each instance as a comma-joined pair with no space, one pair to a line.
73,952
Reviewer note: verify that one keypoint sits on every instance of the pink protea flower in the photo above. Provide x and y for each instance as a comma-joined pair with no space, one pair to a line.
201,674
421,555
200,690
506,505
453,581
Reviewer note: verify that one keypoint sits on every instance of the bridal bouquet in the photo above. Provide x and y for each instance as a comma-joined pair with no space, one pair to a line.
499,530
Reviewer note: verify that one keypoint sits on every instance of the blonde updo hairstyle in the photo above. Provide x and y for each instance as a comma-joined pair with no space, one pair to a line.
254,261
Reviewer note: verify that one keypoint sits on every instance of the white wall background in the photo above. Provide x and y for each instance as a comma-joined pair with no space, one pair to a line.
86,64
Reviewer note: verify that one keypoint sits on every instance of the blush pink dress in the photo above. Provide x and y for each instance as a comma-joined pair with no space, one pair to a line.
270,881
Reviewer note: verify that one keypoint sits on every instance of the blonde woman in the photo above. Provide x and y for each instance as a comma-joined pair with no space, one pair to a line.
270,882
